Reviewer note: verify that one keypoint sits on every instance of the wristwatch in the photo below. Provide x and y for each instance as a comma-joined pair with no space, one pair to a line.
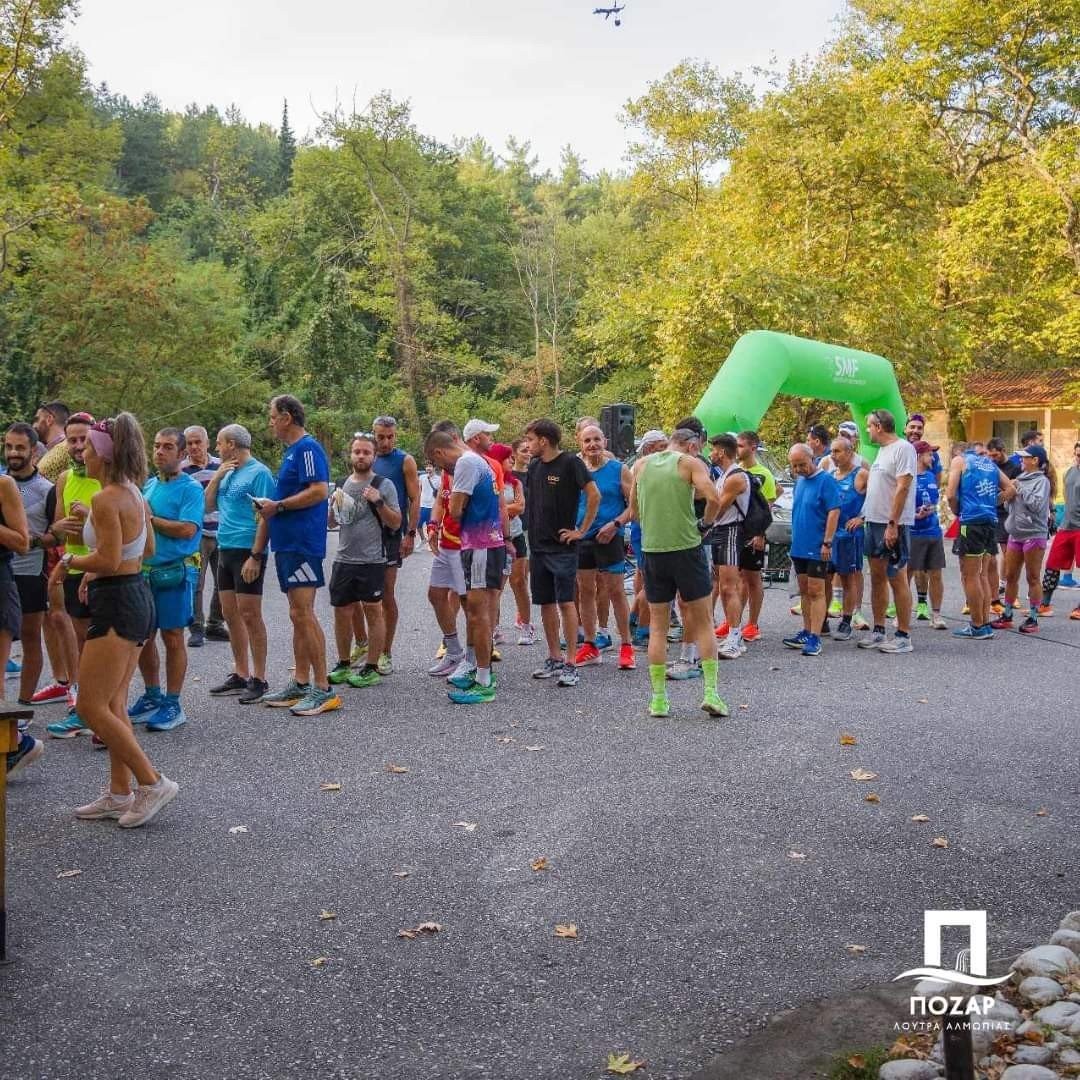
65,559
378,504
412,532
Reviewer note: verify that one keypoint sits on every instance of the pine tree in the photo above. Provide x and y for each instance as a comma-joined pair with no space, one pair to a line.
286,150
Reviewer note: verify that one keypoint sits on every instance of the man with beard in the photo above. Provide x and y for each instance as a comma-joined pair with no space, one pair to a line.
74,490
38,499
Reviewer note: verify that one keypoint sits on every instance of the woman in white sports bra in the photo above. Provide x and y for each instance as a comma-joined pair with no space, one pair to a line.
121,619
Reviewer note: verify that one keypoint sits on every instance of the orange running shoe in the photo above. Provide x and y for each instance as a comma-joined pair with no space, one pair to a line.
750,632
626,656
722,631
588,654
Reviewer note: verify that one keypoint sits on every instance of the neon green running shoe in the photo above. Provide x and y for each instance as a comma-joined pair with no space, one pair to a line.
359,653
890,611
474,695
368,677
836,609
714,704
659,705
922,612
340,674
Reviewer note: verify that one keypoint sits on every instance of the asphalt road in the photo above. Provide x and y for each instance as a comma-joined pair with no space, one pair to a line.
185,950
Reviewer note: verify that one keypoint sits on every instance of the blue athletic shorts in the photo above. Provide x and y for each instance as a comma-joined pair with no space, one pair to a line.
175,608
847,554
298,571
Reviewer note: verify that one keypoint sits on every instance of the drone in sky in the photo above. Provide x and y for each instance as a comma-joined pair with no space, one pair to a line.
607,12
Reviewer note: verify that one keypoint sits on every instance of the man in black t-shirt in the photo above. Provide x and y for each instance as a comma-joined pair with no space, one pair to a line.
556,480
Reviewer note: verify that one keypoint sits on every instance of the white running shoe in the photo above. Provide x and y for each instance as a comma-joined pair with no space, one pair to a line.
463,669
937,622
106,805
526,634
447,665
147,801
729,649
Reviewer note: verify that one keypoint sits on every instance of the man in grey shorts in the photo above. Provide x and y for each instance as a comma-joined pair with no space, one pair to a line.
446,585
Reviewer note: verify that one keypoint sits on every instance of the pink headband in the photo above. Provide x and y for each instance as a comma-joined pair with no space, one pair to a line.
101,440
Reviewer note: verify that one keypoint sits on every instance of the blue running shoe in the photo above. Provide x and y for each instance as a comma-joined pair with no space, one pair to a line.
983,633
145,707
67,728
1067,582
603,639
812,646
966,631
797,641
13,668
641,637
168,717
28,750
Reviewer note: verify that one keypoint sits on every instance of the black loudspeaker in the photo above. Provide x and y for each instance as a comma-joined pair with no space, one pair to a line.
617,423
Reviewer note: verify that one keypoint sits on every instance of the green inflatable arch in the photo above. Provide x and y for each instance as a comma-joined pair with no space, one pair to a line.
763,364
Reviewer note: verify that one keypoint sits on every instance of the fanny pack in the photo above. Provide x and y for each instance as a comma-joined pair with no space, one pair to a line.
170,575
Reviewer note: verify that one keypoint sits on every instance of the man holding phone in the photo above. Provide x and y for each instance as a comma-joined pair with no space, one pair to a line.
234,492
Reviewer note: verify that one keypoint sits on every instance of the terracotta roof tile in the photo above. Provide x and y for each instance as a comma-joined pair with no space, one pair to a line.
1022,387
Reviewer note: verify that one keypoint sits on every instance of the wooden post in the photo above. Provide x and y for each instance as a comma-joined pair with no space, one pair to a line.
959,1056
10,716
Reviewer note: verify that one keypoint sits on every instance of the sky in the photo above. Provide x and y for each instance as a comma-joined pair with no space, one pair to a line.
550,72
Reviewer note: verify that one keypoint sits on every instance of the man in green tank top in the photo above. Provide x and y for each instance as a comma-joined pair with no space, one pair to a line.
674,561
74,490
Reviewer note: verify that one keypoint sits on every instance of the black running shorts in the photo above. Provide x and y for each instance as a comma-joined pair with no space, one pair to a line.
123,604
685,573
230,561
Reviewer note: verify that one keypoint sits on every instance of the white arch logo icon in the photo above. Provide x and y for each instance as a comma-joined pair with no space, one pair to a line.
970,966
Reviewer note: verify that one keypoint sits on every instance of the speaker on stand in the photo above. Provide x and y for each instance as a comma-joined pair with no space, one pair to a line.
617,424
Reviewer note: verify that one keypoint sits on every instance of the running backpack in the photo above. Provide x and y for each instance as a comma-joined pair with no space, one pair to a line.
758,516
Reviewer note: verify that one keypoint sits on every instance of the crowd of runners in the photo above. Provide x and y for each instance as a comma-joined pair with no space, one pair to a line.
103,553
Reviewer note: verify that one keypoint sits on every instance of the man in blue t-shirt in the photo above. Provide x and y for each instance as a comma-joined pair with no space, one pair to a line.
295,522
815,516
927,556
232,492
176,516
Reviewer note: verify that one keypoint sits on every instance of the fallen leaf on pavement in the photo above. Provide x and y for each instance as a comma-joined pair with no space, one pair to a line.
847,740
622,1064
238,829
468,826
795,855
423,928
69,873
923,701
319,961
872,797
857,1061
505,739
744,706
396,769
400,873
855,950
920,817
329,785
541,863
1035,1036
1042,813
566,930
862,774
326,916
940,841
534,748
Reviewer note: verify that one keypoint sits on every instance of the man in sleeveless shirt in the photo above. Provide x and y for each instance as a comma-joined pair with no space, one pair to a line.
675,562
